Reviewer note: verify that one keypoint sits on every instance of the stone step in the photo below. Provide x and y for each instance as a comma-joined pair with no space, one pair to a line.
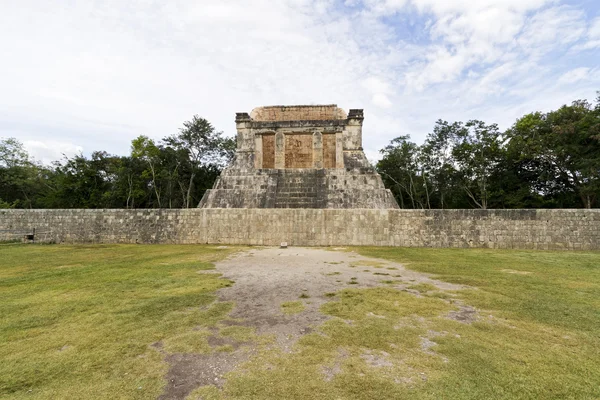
300,189
296,193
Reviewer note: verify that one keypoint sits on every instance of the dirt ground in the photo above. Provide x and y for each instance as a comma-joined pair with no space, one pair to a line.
267,277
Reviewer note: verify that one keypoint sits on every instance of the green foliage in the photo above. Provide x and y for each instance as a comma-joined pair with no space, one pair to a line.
173,173
544,160
5,204
401,170
12,153
202,146
22,181
561,150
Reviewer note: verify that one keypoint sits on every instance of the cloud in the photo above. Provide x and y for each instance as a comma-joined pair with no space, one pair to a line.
379,91
593,36
50,150
552,28
94,75
574,75
594,30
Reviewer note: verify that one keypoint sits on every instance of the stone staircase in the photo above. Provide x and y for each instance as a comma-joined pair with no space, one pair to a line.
301,188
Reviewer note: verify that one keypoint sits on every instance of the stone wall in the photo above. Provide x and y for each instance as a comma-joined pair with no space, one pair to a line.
295,113
298,151
511,229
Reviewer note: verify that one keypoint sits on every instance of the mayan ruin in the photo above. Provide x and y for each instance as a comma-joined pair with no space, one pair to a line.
299,157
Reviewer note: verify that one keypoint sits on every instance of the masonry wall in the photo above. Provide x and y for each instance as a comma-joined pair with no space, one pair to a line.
297,113
517,229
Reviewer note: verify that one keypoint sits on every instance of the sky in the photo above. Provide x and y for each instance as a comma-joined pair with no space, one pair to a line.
80,76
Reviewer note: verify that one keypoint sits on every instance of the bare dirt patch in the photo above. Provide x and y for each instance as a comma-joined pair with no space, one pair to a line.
331,371
190,371
266,278
465,314
377,360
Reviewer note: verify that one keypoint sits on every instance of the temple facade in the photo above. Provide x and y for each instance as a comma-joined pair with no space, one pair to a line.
299,157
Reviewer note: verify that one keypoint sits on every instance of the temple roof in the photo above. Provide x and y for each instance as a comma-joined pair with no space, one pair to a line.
298,113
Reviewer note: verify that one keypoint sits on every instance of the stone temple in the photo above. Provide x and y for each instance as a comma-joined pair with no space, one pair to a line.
299,157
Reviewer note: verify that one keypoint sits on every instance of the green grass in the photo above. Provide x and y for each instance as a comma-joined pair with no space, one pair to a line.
367,263
239,333
375,314
536,335
88,322
422,287
539,334
292,307
79,321
560,289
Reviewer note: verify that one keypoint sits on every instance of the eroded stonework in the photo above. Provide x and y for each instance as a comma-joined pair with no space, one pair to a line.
299,157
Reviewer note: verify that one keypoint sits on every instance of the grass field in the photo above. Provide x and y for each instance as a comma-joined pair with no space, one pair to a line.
80,322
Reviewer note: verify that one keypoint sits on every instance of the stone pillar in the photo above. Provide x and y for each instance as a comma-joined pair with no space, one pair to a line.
339,149
279,150
317,150
258,152
244,155
353,131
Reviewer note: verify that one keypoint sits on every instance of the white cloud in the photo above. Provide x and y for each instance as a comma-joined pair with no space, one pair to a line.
50,150
574,75
379,91
593,36
93,75
594,31
460,6
381,100
552,28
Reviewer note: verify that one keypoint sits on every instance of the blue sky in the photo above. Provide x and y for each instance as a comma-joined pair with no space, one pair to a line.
85,76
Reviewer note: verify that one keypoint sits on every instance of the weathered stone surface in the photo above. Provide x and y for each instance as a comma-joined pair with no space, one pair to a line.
297,113
576,229
299,157
299,188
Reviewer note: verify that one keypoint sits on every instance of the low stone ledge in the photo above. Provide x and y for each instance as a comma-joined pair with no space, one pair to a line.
509,229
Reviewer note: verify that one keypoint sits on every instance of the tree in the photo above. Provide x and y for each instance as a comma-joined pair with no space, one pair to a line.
130,186
21,179
203,145
439,164
477,153
79,182
145,149
174,173
561,149
12,153
400,168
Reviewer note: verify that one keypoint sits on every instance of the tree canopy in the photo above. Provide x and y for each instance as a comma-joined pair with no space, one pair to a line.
172,173
544,160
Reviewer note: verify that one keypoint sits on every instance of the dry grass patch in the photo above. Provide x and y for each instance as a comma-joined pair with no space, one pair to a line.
292,307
